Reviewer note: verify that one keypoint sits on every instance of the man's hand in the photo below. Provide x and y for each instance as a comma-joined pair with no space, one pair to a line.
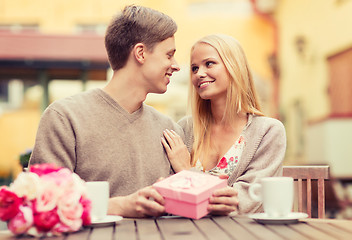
145,202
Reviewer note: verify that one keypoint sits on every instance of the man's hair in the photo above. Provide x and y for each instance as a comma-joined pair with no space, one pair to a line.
136,24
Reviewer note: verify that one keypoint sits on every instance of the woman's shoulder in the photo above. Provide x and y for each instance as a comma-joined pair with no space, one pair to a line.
266,121
263,124
185,122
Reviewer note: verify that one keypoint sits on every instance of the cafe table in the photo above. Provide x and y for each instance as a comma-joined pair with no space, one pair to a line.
219,228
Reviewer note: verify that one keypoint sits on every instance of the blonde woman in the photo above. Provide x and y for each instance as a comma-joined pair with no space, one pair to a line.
227,134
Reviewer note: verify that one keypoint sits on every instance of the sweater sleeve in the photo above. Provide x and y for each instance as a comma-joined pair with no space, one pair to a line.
187,126
266,162
55,141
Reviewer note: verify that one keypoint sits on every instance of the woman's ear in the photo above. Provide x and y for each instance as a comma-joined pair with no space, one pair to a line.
139,52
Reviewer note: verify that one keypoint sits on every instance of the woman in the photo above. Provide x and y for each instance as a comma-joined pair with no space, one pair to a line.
227,134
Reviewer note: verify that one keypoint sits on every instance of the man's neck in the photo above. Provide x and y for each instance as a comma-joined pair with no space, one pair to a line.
126,91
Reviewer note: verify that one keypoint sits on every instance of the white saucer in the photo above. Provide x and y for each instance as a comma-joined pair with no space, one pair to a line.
293,217
108,220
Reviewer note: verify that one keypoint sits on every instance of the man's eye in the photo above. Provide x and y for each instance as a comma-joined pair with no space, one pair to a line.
194,69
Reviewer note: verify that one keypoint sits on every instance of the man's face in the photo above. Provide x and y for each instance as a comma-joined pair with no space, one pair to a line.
159,65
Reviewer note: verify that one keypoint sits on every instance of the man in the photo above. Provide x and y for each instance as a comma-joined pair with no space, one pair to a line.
110,134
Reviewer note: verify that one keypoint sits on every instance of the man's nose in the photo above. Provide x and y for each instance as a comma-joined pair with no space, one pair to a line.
175,67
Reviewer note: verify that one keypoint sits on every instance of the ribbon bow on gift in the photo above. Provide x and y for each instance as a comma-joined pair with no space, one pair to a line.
187,182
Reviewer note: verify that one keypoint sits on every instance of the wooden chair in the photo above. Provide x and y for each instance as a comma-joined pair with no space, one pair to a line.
309,173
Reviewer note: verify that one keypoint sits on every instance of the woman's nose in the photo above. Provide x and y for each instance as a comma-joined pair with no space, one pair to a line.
201,72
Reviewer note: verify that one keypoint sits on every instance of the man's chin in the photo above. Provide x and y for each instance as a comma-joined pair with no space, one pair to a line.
161,91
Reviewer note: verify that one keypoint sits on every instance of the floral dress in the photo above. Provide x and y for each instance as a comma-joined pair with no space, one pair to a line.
229,161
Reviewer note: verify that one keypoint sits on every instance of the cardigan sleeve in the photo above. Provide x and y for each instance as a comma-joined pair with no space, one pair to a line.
187,126
265,160
55,141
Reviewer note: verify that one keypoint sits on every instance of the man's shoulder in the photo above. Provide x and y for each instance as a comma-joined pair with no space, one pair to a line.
161,118
156,114
76,101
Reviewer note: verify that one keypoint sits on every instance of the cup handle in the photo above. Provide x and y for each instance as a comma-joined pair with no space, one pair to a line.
255,187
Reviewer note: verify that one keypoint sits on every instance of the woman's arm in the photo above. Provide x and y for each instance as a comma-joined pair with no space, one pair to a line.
266,161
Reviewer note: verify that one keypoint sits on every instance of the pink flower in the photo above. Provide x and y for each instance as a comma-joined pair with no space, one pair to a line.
9,204
22,221
42,169
44,221
45,201
26,185
87,207
47,197
60,228
70,210
60,177
223,163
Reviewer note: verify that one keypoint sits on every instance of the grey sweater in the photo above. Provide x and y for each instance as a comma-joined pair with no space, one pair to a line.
262,156
93,136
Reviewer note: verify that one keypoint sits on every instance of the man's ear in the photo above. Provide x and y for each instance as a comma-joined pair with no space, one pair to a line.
139,52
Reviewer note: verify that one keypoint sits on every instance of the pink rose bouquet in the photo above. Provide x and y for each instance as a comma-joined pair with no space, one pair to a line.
45,201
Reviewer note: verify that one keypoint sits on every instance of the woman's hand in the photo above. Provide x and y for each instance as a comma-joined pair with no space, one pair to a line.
223,201
176,150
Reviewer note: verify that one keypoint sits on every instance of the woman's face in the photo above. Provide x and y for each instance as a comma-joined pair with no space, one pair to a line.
209,75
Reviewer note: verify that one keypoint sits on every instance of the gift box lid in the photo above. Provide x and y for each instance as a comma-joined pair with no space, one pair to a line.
189,186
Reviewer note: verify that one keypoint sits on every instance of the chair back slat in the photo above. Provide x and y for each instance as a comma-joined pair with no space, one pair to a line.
309,197
321,198
300,195
307,174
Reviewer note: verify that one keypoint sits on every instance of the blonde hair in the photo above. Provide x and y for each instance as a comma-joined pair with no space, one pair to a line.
241,94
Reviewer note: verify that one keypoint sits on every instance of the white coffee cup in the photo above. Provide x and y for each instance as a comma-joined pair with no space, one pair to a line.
98,193
276,193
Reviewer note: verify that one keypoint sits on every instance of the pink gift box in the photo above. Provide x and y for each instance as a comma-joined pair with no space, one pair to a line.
187,193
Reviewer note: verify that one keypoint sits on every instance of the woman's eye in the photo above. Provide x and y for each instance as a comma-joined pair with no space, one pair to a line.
194,69
209,64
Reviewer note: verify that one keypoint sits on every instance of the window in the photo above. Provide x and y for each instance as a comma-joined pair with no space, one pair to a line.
16,28
341,83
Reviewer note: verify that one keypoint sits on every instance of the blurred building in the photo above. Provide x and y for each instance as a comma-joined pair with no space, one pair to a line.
52,49
315,59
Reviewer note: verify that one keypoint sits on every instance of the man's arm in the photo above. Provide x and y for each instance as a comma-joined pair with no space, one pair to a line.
55,141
